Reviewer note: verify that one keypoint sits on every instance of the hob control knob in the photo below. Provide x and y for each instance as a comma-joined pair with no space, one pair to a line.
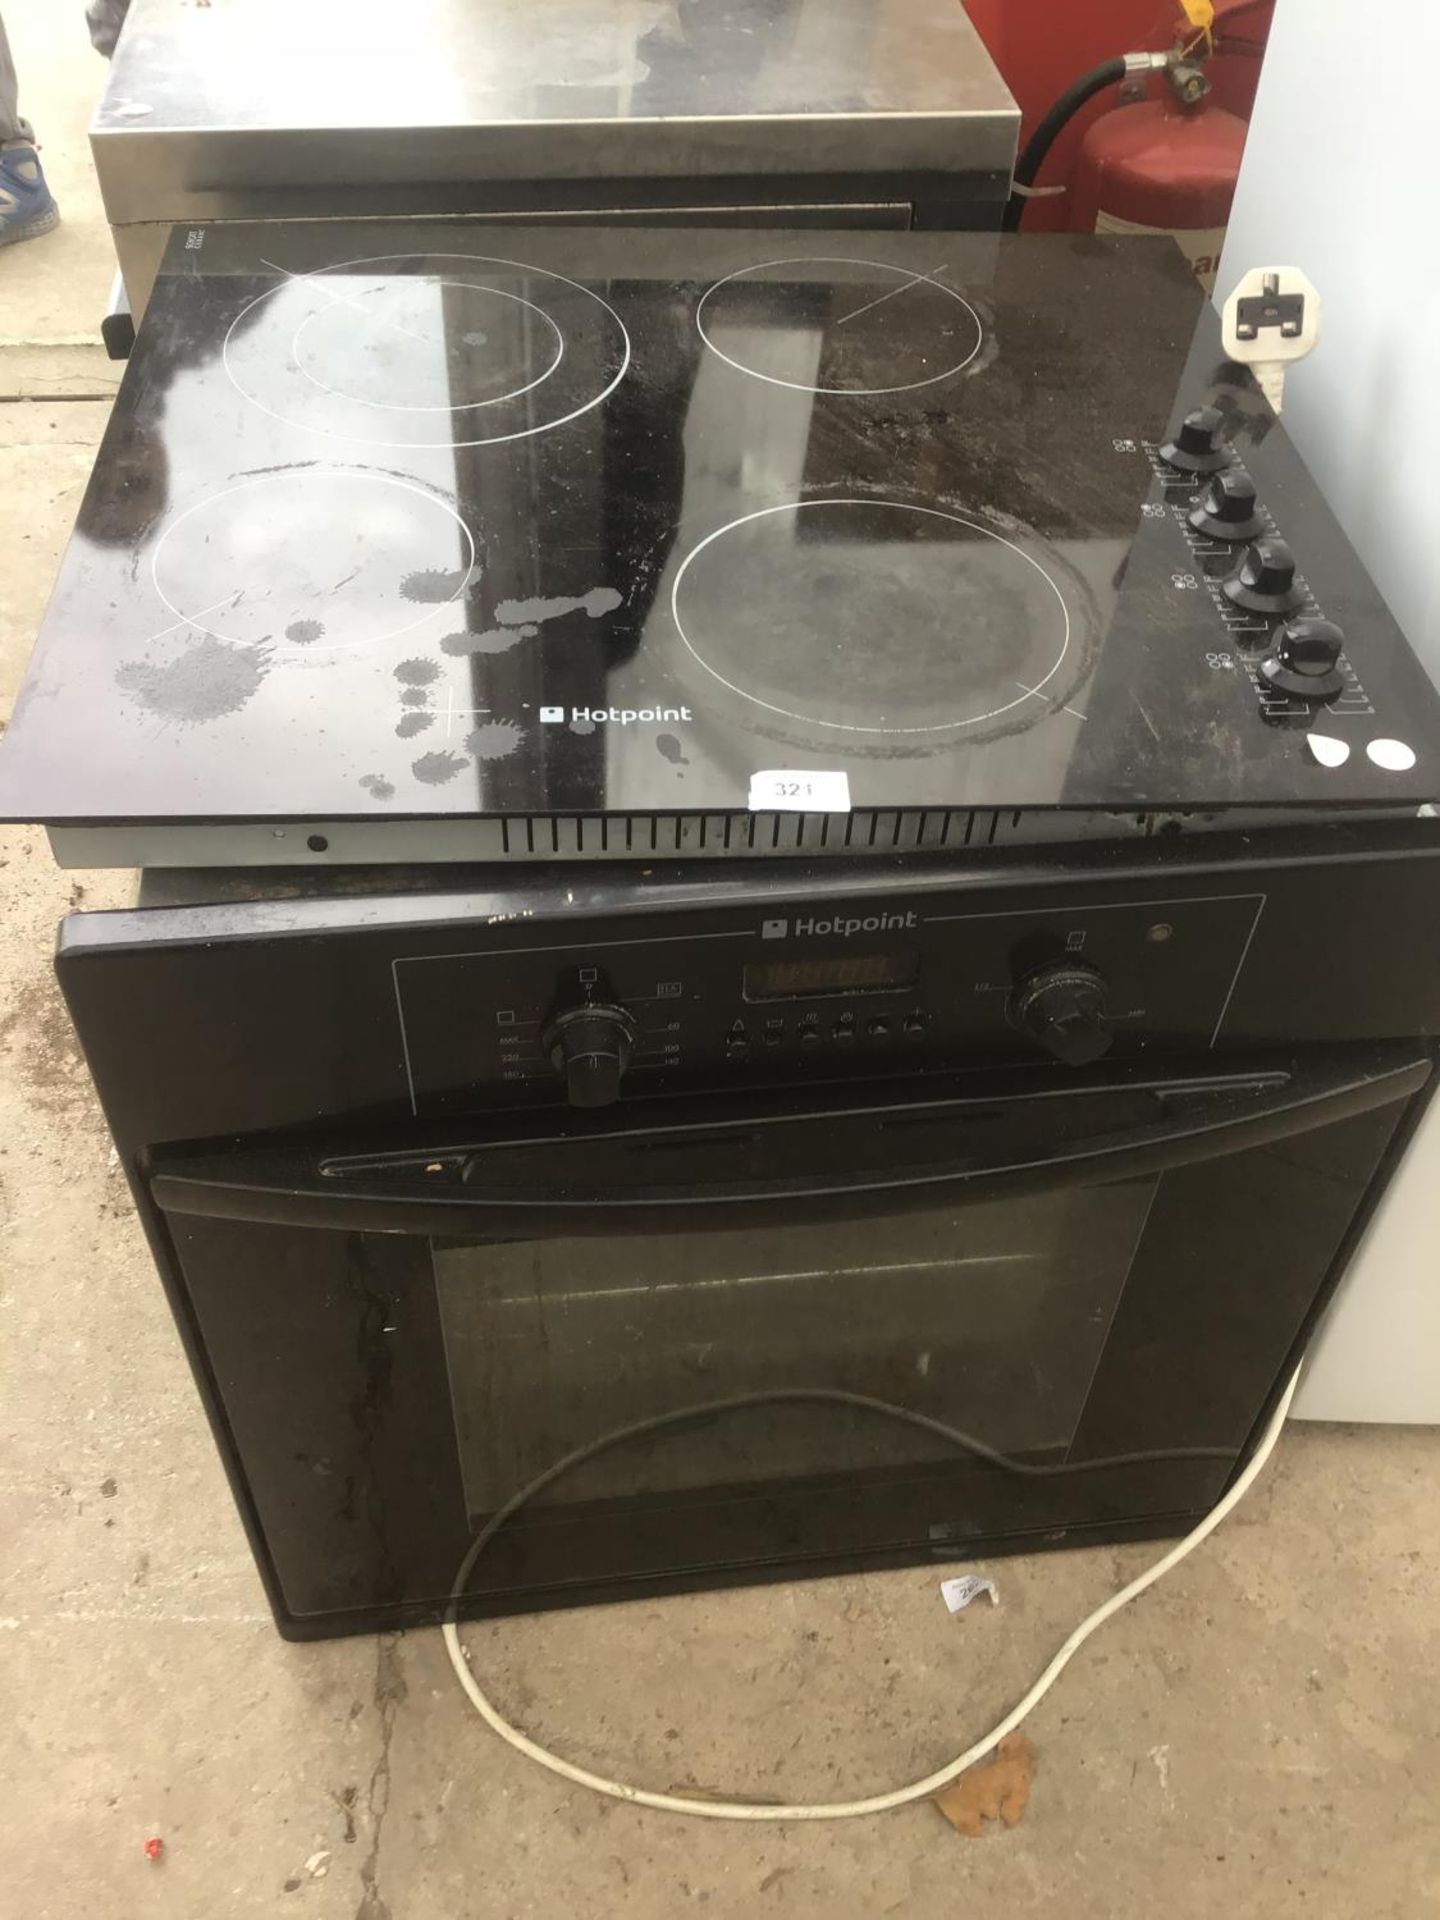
591,1047
1197,447
1226,510
1063,1007
1306,660
1264,581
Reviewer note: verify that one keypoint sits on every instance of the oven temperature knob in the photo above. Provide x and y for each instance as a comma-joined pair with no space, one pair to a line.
1199,446
1227,510
1063,1007
591,1047
1264,581
1306,660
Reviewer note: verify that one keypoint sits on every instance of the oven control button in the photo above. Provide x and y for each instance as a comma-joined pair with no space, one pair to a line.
1198,446
1264,581
1063,1008
1306,660
591,1047
1227,509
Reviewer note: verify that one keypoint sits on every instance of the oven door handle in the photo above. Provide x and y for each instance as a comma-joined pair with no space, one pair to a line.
1067,1137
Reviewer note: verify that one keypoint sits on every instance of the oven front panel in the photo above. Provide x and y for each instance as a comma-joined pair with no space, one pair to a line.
965,1303
384,1007
928,1382
813,990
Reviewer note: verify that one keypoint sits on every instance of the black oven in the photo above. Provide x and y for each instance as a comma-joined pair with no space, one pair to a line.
838,1253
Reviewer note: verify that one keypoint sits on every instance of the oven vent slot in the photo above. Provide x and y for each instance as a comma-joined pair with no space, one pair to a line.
866,830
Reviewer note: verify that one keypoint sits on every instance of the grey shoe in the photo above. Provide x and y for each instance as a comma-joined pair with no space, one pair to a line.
27,206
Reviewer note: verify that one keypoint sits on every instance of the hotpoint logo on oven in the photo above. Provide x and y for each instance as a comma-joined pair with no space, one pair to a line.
841,925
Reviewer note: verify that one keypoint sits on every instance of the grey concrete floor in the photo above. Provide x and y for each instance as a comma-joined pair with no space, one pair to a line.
1260,1735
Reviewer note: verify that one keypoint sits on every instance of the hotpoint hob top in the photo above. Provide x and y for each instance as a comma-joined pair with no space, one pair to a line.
423,540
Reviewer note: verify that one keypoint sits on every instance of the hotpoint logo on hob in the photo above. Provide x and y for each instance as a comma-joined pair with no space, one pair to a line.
616,716
841,926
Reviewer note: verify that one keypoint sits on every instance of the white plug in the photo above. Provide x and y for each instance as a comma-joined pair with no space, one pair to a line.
1272,318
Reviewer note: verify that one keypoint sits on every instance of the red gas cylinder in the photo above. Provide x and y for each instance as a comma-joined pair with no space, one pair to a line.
1160,167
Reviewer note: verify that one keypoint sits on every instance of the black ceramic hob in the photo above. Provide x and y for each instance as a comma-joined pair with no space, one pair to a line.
431,540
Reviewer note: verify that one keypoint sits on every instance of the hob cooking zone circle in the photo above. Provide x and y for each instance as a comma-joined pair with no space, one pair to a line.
326,559
883,329
474,350
872,617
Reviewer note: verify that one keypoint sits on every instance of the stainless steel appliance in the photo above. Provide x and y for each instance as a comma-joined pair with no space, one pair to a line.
829,113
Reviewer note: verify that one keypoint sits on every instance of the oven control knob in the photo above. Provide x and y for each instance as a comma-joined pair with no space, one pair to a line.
1264,581
1306,660
591,1047
1227,509
1198,447
1063,1007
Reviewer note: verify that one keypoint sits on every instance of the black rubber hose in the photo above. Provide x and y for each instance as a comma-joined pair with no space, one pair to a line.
1108,74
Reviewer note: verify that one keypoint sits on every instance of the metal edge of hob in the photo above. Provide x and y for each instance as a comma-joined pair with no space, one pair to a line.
537,838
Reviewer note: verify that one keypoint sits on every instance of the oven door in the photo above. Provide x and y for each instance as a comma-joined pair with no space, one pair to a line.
762,1337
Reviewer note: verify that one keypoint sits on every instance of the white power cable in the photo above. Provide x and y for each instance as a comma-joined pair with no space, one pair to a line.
835,1809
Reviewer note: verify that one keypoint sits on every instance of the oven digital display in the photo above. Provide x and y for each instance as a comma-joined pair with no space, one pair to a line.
834,973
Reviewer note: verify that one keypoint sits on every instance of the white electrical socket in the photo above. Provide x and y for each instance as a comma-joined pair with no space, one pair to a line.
1271,319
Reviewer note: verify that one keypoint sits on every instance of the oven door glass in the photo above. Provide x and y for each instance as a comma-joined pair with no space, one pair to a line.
868,1375
873,1347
